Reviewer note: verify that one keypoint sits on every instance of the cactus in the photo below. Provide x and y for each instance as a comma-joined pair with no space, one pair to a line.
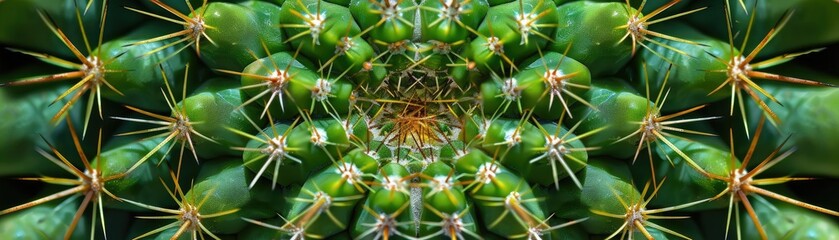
389,119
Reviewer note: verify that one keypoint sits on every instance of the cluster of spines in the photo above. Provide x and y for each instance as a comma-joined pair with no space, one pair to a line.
412,127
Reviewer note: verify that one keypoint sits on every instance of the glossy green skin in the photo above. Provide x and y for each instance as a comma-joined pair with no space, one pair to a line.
816,19
498,2
231,22
516,167
603,181
169,233
785,221
474,129
48,221
338,24
685,184
388,30
345,3
500,22
316,157
533,76
463,75
442,201
482,56
692,77
26,113
330,182
373,77
448,30
388,174
215,107
299,92
518,155
534,89
496,101
504,182
682,226
355,57
292,172
500,132
619,108
260,232
542,172
565,202
338,101
138,76
412,53
296,94
590,29
227,180
142,184
806,119
652,5
384,201
448,153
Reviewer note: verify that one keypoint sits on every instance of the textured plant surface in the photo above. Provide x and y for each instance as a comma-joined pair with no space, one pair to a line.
434,119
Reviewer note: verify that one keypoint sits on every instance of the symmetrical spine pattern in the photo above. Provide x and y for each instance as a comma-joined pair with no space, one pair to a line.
418,119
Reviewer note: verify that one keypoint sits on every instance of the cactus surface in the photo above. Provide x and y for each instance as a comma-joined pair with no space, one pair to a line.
419,119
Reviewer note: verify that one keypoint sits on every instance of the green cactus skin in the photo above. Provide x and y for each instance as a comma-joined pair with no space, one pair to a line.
49,221
805,123
417,119
232,21
141,185
691,85
618,105
598,49
137,73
